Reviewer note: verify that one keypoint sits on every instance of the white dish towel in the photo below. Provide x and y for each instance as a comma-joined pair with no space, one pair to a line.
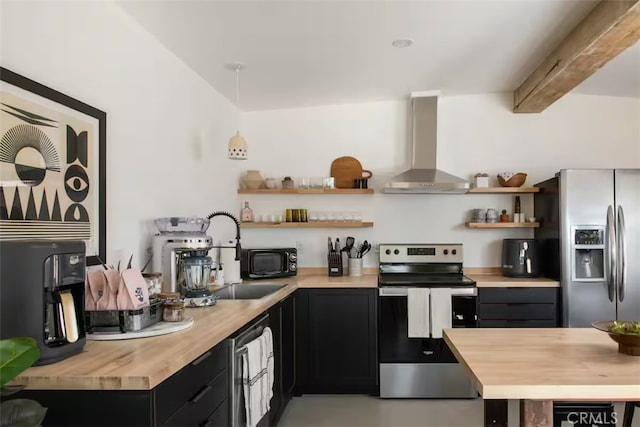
257,377
440,311
418,312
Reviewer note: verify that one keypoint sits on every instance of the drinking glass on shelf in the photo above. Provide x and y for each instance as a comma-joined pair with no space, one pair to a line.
357,216
340,216
313,216
329,183
322,216
316,183
305,183
331,216
348,216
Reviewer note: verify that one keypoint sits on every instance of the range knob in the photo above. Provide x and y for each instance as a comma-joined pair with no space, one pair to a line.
388,252
293,267
293,257
396,252
446,252
453,252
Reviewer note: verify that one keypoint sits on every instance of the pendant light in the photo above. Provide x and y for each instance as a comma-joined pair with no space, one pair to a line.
237,146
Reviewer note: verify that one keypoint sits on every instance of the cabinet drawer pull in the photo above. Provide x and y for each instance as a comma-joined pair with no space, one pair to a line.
201,393
200,359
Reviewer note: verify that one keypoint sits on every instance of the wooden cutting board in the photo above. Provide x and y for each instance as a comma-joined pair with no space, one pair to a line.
345,170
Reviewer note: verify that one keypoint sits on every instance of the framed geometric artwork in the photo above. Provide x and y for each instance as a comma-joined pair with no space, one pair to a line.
52,166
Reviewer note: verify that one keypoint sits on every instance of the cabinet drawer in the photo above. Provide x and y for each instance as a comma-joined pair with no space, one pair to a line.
517,295
195,412
517,323
220,417
517,311
174,392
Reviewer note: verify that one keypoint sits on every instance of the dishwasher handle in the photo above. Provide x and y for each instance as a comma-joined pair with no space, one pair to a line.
252,331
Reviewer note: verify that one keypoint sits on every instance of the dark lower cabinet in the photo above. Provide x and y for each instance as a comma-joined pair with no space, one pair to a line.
275,323
336,341
194,396
288,346
518,308
281,322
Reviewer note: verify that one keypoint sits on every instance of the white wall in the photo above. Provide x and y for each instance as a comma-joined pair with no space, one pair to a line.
476,133
167,128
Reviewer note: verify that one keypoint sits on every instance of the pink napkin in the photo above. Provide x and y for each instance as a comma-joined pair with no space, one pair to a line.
136,288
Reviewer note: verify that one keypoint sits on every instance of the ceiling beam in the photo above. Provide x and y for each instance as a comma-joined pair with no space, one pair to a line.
611,27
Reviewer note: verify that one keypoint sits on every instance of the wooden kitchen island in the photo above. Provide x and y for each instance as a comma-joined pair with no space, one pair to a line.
539,366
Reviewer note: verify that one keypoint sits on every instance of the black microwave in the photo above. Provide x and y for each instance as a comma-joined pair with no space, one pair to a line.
268,262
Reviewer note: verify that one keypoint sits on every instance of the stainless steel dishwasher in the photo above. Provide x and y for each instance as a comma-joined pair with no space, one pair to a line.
237,347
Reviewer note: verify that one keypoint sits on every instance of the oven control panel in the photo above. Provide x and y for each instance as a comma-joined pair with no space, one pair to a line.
419,253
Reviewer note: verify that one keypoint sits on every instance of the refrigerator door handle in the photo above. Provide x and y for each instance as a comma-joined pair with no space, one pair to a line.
622,254
610,254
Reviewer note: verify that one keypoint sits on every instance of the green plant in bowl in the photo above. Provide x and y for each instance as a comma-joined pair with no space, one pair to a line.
16,355
631,328
626,333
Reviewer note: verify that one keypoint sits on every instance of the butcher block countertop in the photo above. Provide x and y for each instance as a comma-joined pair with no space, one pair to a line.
546,364
364,281
142,364
491,278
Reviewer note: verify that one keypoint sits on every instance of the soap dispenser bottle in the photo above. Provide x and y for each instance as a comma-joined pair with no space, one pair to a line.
246,215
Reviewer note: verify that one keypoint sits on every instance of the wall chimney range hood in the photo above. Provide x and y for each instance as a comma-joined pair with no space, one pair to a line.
424,177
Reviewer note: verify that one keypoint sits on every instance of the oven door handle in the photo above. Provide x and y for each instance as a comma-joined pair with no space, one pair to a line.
403,292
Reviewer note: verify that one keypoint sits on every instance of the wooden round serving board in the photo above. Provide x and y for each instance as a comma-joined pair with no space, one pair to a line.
160,328
345,170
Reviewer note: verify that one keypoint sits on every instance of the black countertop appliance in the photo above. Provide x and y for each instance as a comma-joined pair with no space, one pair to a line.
520,258
42,295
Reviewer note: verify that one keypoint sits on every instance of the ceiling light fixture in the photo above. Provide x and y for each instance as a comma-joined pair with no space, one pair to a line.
400,43
237,147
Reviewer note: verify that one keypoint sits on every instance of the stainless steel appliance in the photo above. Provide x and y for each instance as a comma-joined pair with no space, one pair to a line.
424,177
520,258
195,273
589,239
237,348
423,367
42,295
268,263
179,239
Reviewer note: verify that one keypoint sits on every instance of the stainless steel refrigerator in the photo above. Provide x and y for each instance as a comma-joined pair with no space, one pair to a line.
589,240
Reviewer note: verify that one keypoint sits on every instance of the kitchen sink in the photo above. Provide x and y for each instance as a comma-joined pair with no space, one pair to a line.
244,291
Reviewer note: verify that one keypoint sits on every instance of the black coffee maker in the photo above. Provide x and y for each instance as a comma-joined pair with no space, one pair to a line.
42,295
520,258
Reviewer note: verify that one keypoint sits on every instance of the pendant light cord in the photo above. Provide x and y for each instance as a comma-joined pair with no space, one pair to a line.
238,87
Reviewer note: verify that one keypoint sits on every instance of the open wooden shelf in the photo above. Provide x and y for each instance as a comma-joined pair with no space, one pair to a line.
307,191
502,224
501,190
315,224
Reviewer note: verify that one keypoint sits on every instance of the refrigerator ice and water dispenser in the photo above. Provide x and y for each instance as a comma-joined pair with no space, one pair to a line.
588,253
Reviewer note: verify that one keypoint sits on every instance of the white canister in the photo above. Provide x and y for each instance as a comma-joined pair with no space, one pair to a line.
355,267
230,265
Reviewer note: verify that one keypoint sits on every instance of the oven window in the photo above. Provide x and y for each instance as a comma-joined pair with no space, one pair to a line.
395,346
464,312
267,262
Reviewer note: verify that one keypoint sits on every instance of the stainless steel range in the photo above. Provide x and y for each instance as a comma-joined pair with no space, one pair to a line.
422,290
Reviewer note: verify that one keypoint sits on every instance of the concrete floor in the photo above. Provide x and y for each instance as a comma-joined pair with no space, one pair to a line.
354,410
